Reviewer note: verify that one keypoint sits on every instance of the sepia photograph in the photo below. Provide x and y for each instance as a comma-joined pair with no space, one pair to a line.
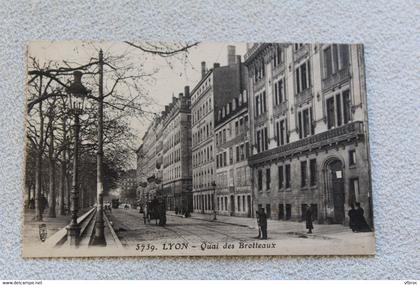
196,149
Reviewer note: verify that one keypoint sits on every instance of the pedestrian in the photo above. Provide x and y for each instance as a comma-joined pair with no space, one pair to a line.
309,218
352,218
263,223
43,203
361,224
257,215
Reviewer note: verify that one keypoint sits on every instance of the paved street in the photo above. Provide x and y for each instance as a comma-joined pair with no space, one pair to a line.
198,229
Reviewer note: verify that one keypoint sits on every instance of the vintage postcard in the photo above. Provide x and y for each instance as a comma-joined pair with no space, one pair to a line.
196,149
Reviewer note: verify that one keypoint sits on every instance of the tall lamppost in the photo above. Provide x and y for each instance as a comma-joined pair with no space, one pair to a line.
76,94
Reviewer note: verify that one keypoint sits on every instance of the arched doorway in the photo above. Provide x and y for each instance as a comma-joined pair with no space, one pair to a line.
335,189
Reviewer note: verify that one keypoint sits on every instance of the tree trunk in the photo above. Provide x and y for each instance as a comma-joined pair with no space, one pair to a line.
62,187
51,174
38,165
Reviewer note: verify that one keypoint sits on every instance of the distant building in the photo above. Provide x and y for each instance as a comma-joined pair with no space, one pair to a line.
128,185
307,108
233,182
148,157
217,87
176,136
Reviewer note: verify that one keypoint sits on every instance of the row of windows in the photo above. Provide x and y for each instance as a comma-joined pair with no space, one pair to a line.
172,157
239,205
225,134
202,156
203,133
203,177
203,202
284,176
205,108
204,86
173,173
242,153
172,141
338,113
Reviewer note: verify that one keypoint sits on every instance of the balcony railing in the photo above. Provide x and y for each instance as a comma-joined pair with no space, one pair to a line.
336,78
280,108
304,96
261,119
301,52
345,133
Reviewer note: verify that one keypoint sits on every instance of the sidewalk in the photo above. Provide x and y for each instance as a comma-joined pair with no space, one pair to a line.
277,226
30,231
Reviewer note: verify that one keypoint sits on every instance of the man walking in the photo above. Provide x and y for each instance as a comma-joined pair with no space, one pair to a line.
263,223
309,218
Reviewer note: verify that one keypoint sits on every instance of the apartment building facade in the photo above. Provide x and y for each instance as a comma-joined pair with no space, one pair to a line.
309,137
216,87
233,182
177,167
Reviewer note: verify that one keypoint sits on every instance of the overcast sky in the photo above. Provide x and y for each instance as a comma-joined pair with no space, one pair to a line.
170,79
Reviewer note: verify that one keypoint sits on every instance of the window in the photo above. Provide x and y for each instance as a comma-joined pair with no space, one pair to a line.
230,155
312,169
328,69
287,175
281,177
259,180
339,109
262,140
303,77
306,126
346,106
239,203
267,179
303,173
278,56
352,157
335,57
279,92
330,113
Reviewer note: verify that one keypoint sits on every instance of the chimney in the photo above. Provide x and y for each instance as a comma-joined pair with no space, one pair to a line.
187,91
203,69
216,65
180,95
166,108
231,55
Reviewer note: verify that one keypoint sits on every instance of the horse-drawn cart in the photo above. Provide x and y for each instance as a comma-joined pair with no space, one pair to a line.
155,210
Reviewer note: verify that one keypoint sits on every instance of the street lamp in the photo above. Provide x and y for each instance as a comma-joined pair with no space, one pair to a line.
76,94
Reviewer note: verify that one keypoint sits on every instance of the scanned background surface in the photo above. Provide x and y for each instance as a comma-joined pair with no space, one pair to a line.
387,28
